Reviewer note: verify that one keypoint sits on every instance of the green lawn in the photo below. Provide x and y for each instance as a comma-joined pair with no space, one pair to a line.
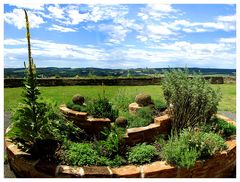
63,94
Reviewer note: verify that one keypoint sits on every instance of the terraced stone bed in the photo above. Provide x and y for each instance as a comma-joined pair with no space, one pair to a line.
219,165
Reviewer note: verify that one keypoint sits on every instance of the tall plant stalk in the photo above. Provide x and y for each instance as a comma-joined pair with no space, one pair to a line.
31,91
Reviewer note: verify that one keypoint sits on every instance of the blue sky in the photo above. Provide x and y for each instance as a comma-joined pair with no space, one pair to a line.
122,35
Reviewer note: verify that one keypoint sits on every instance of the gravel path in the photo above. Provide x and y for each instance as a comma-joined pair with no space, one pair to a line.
9,174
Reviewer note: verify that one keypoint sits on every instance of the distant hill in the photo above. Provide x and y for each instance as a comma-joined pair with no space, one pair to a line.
92,72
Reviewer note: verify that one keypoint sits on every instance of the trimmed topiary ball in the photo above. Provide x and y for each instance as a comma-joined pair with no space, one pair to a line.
121,122
143,100
78,99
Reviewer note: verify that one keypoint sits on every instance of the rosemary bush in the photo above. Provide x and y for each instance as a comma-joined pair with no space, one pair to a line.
191,100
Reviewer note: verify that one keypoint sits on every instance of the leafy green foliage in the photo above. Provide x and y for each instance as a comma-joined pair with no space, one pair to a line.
227,128
143,117
191,101
159,105
142,153
50,124
110,146
219,126
76,107
183,150
102,108
178,152
80,154
206,143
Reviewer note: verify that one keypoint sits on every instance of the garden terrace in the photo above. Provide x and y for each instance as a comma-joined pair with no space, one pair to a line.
219,165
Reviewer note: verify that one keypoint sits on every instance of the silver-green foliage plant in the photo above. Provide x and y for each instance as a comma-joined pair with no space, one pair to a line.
190,100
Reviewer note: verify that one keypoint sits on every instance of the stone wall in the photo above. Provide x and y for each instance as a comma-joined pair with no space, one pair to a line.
18,82
217,166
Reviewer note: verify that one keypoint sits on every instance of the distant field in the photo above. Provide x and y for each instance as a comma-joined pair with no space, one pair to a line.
63,94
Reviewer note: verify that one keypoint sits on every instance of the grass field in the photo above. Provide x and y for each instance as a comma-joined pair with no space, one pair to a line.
63,94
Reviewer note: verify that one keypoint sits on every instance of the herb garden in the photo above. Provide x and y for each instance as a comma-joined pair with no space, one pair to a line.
181,136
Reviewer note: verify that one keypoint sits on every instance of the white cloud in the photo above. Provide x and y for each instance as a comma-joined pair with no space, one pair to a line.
220,54
117,33
229,18
159,30
56,11
28,5
12,42
157,11
77,17
49,50
61,28
17,18
228,40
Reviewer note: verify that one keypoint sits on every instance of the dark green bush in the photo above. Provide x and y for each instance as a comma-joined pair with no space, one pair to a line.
183,150
142,153
227,128
191,101
102,108
219,126
115,162
50,124
143,117
110,146
76,107
80,154
159,105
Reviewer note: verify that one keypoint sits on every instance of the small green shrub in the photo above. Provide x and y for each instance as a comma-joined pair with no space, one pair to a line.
115,162
143,117
219,126
183,150
110,146
191,100
206,143
227,128
76,107
50,124
159,105
80,154
142,153
102,108
177,151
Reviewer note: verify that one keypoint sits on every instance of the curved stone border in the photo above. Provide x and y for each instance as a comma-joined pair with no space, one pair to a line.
218,165
85,121
161,125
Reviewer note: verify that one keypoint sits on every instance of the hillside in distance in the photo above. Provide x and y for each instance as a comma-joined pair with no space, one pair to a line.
54,72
